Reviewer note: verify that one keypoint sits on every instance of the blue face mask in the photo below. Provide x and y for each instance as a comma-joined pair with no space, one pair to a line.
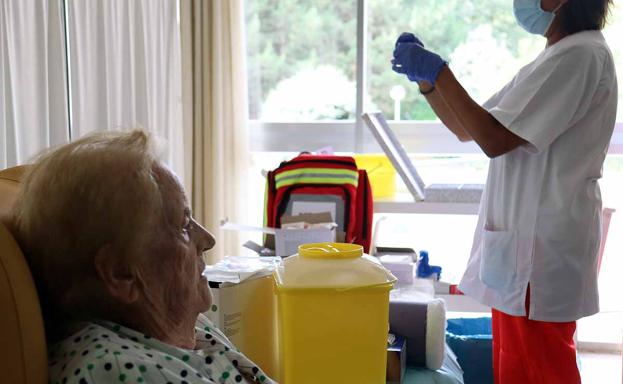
532,17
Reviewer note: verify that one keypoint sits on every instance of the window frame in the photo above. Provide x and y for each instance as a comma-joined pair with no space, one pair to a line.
430,137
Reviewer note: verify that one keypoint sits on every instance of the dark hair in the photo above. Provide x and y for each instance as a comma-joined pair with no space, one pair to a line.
584,15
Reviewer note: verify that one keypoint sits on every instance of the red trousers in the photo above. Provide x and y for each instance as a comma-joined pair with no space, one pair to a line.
533,352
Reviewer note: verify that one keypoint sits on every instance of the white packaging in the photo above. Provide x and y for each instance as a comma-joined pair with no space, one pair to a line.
235,269
287,241
401,266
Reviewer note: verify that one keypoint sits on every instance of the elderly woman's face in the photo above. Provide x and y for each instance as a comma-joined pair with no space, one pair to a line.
176,262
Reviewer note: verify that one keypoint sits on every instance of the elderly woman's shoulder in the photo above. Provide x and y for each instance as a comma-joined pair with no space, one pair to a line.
105,352
110,353
95,350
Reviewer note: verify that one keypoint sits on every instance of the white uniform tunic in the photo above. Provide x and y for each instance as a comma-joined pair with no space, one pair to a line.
540,214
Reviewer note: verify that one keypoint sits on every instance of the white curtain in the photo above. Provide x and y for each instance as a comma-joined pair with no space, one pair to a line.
215,96
33,96
125,70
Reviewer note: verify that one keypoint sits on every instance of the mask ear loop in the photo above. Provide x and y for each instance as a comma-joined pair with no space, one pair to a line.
555,12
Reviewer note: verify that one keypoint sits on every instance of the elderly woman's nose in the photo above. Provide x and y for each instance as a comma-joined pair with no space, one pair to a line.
206,240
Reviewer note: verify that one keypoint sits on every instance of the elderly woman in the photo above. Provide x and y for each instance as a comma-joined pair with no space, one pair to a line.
116,256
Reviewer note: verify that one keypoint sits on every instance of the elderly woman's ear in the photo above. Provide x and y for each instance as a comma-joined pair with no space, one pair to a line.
119,279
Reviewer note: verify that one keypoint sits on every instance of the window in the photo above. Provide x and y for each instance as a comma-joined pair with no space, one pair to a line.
298,51
482,41
327,53
304,68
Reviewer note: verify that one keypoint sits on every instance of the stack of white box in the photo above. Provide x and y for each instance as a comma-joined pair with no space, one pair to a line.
401,266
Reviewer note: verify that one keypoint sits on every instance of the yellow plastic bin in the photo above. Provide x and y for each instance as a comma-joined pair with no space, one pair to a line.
333,314
381,173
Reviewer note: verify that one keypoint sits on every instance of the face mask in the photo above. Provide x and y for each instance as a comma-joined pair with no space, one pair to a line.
532,17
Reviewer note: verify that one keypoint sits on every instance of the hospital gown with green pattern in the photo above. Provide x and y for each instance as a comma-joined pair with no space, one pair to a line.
104,352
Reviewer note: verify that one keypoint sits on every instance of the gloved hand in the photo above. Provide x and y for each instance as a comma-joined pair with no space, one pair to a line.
412,59
408,37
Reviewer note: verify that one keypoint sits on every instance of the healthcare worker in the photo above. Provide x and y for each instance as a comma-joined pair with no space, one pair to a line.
534,257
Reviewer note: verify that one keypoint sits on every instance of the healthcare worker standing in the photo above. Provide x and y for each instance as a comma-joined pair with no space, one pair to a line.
534,257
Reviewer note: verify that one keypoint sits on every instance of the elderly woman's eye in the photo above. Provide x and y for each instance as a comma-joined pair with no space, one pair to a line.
186,226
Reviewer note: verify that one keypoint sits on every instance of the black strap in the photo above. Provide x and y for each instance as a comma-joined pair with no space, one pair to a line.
427,92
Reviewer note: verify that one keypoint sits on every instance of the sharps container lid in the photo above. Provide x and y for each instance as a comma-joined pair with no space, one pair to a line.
331,265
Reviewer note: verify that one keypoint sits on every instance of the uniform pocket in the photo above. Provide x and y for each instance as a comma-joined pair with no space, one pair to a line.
498,262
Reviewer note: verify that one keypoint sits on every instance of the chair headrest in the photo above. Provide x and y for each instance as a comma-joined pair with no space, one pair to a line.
23,356
9,187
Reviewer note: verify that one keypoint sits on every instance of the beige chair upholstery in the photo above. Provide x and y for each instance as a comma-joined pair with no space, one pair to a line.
23,356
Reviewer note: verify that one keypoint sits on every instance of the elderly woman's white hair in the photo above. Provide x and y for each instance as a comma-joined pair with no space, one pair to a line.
100,191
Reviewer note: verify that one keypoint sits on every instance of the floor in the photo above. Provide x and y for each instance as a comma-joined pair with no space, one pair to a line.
601,368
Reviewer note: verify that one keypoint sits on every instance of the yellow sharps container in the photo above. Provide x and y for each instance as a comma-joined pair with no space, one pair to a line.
333,304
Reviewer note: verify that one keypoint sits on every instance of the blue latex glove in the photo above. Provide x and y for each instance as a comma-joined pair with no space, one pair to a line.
408,37
415,61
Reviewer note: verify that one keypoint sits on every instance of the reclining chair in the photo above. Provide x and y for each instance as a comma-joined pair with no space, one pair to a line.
23,356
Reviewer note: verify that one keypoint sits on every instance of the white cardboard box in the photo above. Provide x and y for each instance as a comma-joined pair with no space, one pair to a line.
246,312
401,266
287,241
